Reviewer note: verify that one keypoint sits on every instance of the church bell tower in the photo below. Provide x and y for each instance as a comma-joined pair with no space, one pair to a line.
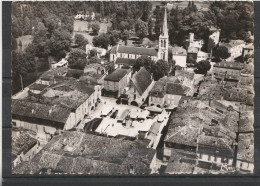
164,40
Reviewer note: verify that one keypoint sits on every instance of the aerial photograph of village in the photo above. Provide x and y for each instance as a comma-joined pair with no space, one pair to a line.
132,87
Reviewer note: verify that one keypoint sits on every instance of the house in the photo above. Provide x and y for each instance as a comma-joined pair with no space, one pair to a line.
76,152
62,63
248,50
100,51
95,67
245,153
53,76
44,119
213,150
121,62
202,56
227,71
181,162
168,91
195,43
235,48
24,148
115,82
179,55
37,88
214,35
140,86
79,97
184,138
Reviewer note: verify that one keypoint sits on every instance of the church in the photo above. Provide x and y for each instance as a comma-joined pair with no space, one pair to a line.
126,55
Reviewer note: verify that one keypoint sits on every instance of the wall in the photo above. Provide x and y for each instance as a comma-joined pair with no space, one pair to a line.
173,99
214,159
156,101
247,166
180,60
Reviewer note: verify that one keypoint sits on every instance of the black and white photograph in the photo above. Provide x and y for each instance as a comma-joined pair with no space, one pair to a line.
132,88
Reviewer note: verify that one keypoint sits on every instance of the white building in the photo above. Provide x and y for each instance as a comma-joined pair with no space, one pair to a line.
179,55
235,48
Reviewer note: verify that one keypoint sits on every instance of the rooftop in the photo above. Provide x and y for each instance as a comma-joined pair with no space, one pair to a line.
142,79
229,65
125,61
50,115
176,89
75,73
179,51
22,143
81,153
186,135
137,50
117,75
232,43
39,87
246,147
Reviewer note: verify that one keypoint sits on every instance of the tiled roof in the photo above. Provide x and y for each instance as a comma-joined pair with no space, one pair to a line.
137,50
117,75
36,86
75,73
142,79
159,89
186,135
50,115
125,61
113,50
230,65
77,152
176,89
232,43
193,50
210,144
245,149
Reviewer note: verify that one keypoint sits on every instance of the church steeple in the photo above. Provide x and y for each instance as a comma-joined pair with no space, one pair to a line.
164,39
164,30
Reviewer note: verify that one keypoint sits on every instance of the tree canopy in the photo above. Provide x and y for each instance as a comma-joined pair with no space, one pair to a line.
77,59
202,67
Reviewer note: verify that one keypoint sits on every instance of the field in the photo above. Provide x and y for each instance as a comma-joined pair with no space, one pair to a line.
26,40
81,27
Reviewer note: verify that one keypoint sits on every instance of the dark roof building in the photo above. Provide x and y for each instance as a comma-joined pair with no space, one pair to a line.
125,61
141,80
49,115
176,89
229,65
117,75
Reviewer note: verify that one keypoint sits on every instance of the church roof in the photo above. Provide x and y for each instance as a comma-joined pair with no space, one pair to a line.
137,50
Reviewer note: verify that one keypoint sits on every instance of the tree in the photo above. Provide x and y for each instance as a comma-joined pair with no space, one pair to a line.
102,11
160,69
202,67
77,59
125,36
102,41
150,26
221,52
113,37
81,41
95,28
143,61
141,29
60,43
92,53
